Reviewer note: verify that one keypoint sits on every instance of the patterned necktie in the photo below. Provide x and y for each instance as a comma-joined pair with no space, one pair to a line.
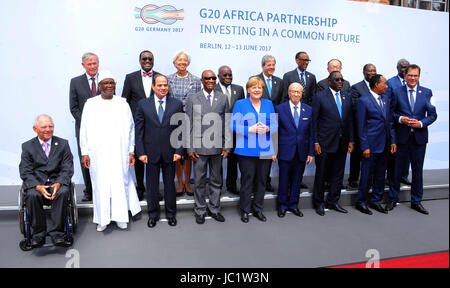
160,111
46,148
93,89
381,103
269,88
302,81
209,100
338,103
411,99
227,92
296,116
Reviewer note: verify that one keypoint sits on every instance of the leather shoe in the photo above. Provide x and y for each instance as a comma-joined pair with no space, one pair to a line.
353,184
152,222
419,208
379,208
281,213
296,212
405,181
320,210
217,216
390,206
244,217
37,242
58,240
172,221
303,186
200,219
260,216
336,207
363,209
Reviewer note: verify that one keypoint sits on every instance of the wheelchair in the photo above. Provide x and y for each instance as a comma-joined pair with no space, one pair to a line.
71,221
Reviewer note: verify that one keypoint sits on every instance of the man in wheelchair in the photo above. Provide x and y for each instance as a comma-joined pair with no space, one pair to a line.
46,168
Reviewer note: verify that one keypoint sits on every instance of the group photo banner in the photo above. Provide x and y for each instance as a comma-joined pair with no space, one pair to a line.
43,41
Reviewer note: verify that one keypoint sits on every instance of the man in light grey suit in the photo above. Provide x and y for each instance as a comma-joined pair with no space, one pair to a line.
208,144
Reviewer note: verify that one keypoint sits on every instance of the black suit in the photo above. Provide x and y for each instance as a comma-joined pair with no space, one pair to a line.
153,140
278,95
36,169
333,133
310,86
133,91
80,92
356,91
237,93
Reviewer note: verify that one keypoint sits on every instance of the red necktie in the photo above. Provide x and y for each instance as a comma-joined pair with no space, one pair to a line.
93,89
149,74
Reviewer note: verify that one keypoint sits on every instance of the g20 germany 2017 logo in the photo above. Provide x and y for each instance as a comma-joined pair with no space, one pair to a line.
152,14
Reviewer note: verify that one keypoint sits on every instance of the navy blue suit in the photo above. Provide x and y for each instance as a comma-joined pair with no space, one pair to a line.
412,141
333,134
375,132
295,145
153,139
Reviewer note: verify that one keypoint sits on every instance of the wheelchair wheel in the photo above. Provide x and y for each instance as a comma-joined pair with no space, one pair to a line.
24,246
73,210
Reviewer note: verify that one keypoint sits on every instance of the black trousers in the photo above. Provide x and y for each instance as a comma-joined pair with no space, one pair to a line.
232,173
253,180
34,202
168,173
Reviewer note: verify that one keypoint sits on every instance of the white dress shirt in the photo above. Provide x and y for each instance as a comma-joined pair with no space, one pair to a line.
147,82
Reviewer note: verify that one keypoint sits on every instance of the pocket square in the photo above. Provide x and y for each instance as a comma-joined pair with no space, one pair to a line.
305,118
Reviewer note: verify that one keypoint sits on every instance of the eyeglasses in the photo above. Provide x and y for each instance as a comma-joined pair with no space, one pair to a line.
147,58
304,60
227,75
339,80
210,78
108,83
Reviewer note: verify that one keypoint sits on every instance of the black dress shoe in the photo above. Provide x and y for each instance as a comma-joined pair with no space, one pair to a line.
353,184
200,219
37,242
303,186
281,213
379,208
336,207
405,181
179,194
152,222
344,187
260,216
419,208
320,210
269,187
172,221
363,209
217,216
390,206
244,217
58,240
296,212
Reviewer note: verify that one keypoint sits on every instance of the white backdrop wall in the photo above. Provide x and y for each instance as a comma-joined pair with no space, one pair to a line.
42,42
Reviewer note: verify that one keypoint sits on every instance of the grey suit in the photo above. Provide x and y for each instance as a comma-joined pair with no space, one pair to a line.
208,146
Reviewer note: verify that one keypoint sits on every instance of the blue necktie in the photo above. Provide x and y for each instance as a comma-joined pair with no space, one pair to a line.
269,88
403,82
302,80
296,116
411,99
381,104
338,103
160,111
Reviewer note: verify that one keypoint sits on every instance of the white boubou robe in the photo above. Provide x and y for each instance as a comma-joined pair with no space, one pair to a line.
107,137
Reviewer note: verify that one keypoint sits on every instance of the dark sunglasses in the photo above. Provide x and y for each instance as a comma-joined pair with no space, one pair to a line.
228,75
147,58
210,78
339,79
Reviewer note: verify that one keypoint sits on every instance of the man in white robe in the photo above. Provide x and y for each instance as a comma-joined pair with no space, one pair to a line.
107,147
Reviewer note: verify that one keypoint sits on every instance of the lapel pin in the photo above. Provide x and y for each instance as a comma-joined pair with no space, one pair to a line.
274,82
303,109
56,143
343,97
420,91
234,92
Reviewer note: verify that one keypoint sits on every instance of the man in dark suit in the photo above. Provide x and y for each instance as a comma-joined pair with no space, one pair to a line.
233,93
155,149
377,140
208,145
333,139
333,65
46,168
82,88
300,75
137,86
296,148
413,110
274,90
394,83
356,91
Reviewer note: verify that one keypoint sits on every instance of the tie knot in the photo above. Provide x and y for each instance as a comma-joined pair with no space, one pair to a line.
295,107
161,102
93,78
45,144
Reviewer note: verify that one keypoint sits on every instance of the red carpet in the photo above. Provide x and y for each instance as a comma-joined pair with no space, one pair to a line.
433,260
